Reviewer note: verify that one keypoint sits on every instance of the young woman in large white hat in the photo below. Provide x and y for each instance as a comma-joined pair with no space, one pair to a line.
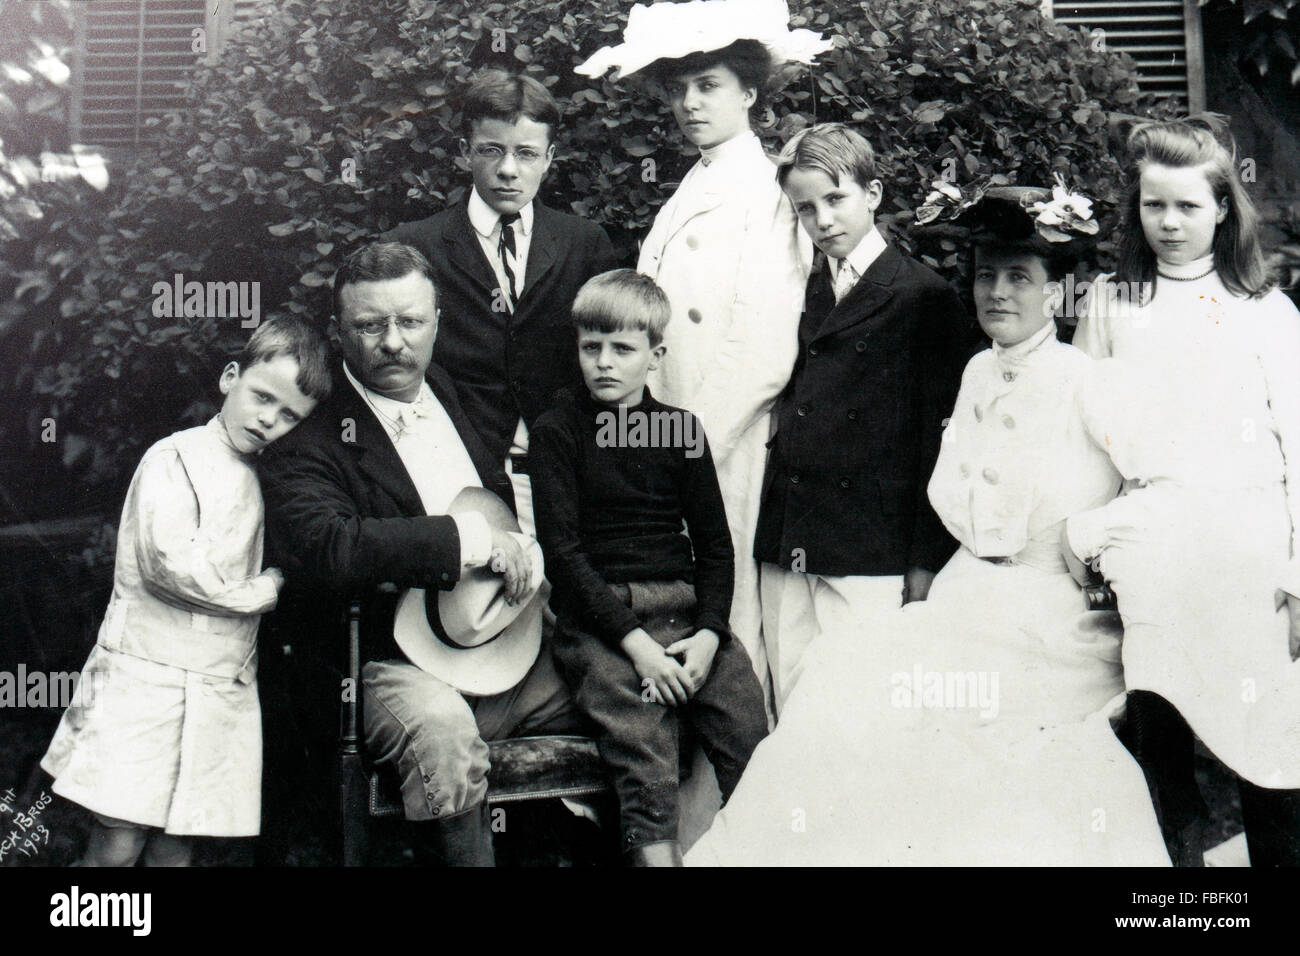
726,246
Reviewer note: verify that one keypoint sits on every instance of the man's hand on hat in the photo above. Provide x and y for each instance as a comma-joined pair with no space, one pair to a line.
510,560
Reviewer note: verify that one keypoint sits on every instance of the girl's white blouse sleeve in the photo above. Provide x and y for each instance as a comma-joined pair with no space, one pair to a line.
1093,333
1279,357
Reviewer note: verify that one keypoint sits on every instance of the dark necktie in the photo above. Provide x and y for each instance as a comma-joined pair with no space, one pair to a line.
506,249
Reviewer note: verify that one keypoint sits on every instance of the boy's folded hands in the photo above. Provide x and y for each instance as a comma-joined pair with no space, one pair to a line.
697,655
664,680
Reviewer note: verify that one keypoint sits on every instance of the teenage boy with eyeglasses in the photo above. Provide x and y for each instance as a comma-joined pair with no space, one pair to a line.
507,270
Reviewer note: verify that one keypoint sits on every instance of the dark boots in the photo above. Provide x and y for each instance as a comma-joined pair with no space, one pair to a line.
462,839
663,853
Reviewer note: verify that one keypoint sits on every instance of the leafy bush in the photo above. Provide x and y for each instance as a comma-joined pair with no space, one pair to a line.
249,183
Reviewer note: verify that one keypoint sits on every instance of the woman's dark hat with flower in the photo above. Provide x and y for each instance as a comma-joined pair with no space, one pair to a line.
1048,221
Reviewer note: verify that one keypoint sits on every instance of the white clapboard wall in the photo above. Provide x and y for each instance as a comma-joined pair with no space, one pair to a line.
1162,36
132,57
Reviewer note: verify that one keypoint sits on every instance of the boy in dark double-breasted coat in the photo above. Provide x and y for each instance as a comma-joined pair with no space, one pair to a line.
845,531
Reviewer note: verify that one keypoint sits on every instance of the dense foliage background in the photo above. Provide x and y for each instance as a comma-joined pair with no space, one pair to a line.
248,182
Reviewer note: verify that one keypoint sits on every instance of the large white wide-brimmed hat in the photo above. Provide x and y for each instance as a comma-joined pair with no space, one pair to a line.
674,30
469,637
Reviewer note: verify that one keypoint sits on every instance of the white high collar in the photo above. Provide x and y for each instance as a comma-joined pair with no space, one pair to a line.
738,144
1186,270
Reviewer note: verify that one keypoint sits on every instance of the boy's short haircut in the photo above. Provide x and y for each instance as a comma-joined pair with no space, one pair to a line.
294,337
622,300
496,94
832,148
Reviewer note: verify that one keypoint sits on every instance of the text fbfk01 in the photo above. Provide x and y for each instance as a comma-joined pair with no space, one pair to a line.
75,908
640,429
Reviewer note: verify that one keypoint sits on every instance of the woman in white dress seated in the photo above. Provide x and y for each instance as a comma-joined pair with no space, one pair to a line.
979,731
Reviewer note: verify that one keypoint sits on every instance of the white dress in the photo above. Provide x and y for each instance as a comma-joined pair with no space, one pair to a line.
977,732
1198,402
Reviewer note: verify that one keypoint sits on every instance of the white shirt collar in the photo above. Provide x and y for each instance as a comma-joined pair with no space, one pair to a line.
866,252
739,143
484,218
392,414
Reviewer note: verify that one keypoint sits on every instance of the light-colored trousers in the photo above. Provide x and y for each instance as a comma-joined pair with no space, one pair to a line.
435,738
799,607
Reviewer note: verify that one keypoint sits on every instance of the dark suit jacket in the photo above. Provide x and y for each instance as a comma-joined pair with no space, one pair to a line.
858,426
508,366
343,516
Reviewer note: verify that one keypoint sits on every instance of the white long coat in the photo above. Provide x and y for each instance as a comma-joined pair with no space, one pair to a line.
728,251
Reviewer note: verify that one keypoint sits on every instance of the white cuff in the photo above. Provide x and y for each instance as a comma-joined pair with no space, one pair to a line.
264,592
1087,533
475,539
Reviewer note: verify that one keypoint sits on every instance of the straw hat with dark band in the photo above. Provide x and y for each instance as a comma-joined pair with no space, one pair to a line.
469,637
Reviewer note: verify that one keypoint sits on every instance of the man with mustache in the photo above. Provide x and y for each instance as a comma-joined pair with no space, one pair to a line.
363,499
507,269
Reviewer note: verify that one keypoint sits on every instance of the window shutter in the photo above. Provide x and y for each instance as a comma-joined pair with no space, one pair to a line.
133,57
1162,36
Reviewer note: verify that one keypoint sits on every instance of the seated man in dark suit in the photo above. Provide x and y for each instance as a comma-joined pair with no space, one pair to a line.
507,269
364,498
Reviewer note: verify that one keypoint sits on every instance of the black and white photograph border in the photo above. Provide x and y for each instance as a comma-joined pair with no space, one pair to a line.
807,219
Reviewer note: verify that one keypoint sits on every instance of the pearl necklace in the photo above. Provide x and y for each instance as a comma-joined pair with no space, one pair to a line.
1164,275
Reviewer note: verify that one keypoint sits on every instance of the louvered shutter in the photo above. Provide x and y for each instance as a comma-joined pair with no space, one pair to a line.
133,58
1162,36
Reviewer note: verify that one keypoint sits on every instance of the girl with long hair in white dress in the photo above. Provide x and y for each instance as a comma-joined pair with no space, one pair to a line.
1199,399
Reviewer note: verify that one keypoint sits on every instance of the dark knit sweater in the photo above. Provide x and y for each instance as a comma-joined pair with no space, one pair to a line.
608,515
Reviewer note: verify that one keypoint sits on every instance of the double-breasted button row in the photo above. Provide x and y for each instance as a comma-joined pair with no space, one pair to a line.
989,474
1007,420
801,411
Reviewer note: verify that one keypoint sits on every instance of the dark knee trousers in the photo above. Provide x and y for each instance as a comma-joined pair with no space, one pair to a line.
638,739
